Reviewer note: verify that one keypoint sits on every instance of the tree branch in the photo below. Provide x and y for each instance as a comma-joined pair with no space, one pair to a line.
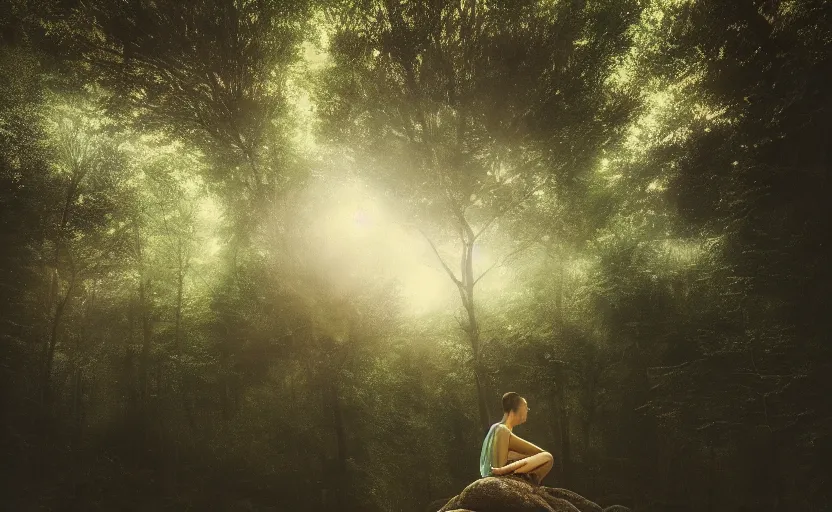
531,241
510,207
439,257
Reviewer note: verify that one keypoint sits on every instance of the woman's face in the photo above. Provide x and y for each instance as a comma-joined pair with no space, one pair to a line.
522,412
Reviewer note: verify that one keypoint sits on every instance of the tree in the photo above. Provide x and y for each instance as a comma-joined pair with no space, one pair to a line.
453,103
86,236
211,73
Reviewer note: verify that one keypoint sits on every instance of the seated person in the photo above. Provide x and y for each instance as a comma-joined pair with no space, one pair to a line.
500,443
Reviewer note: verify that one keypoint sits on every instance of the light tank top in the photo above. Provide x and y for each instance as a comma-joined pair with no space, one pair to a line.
487,456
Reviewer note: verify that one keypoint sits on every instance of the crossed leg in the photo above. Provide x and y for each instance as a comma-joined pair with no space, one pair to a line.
538,465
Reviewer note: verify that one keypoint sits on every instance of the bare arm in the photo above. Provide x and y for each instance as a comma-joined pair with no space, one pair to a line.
511,468
500,456
501,443
520,445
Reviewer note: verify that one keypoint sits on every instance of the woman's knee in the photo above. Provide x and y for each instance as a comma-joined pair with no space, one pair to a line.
543,459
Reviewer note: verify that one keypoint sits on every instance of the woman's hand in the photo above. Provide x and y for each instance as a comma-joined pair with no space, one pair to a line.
510,468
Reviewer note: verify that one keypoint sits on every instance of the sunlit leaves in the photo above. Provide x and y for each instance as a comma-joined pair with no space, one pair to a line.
212,74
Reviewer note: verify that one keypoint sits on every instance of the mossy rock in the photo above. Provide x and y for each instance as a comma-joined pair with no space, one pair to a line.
513,494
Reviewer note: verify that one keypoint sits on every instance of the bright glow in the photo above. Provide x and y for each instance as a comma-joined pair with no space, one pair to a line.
426,289
362,219
346,233
349,237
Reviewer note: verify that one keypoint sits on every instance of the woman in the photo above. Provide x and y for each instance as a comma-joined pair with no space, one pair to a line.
501,446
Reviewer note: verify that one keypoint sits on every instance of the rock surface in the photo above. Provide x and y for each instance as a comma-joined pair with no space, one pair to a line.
513,494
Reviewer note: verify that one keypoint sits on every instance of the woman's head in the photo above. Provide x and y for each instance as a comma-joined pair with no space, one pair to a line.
515,407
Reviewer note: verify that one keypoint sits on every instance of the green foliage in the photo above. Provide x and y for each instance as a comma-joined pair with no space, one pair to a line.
198,311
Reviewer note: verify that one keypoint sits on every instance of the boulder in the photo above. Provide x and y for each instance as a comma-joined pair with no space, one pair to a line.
514,494
435,505
578,501
609,500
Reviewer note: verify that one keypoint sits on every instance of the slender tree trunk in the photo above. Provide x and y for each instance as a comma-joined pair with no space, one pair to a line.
78,377
485,417
226,400
561,380
144,318
180,278
225,368
49,356
591,404
182,376
49,349
187,400
77,395
338,424
144,361
466,291
472,330
129,370
562,411
50,305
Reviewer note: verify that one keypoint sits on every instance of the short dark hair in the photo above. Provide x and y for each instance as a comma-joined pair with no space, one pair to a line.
511,401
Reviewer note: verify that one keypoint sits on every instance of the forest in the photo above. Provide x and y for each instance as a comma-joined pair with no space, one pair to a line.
274,255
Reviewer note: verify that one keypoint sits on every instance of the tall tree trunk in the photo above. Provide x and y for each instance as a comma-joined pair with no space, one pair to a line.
77,395
144,318
144,361
54,285
561,379
562,412
129,369
225,369
466,292
338,425
465,287
485,416
185,385
49,352
180,278
78,377
473,332
591,404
